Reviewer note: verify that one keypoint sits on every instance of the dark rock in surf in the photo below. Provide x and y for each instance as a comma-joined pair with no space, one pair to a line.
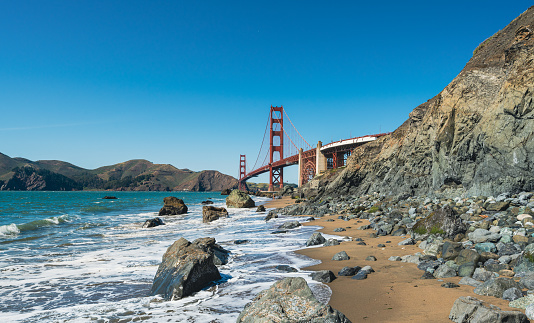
153,223
173,206
185,269
212,213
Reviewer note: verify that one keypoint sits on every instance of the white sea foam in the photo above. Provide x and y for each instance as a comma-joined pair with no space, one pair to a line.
10,229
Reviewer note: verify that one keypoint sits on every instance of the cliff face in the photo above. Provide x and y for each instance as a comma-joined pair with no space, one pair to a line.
475,137
209,180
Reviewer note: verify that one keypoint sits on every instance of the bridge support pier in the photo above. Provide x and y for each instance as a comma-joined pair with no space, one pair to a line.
300,167
320,162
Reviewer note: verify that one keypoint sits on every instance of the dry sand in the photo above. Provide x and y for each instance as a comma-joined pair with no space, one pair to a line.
395,292
278,203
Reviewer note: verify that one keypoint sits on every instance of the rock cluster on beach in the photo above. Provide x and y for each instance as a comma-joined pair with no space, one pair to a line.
489,241
187,267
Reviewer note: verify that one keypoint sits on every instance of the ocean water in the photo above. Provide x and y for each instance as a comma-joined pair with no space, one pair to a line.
75,257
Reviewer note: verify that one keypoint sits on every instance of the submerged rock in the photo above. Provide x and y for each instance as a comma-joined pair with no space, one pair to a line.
185,269
153,223
239,199
173,206
289,300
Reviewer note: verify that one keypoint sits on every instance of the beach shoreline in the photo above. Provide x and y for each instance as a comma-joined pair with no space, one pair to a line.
395,292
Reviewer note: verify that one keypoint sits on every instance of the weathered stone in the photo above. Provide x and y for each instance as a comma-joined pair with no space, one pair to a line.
342,255
315,239
290,225
172,206
482,274
468,309
323,276
444,271
451,250
497,206
467,256
450,285
528,281
260,208
286,268
512,294
289,300
239,199
407,242
485,247
331,242
207,202
153,223
482,235
466,270
339,229
442,222
496,287
349,271
470,282
185,269
212,213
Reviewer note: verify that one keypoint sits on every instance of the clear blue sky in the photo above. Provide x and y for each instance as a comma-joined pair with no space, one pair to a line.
189,83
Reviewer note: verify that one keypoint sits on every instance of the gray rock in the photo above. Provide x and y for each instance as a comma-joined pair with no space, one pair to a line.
349,271
483,275
512,294
444,271
522,302
323,276
186,268
289,300
469,282
342,255
466,270
407,242
441,222
286,268
450,285
482,235
496,287
212,213
239,199
331,242
370,258
315,239
471,310
485,247
451,250
529,311
394,258
466,256
260,208
289,225
528,281
339,229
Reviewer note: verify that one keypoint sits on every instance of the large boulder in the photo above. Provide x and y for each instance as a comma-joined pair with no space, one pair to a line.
443,222
185,269
226,191
220,255
315,239
496,287
289,300
212,213
239,199
173,206
468,309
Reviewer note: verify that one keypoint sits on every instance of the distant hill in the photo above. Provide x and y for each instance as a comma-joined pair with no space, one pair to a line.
133,175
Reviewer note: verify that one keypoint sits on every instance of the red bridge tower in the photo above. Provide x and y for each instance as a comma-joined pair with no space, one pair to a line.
276,175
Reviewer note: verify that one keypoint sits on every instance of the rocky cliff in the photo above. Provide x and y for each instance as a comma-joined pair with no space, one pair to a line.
475,137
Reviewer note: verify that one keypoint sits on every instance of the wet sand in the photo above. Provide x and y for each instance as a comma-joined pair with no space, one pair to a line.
394,292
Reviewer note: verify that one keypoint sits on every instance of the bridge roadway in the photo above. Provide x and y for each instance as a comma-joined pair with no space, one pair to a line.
315,161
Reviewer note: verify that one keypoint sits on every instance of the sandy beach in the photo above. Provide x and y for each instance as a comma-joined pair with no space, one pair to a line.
281,202
394,292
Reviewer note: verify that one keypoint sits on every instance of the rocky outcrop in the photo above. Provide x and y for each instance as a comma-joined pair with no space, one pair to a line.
472,310
185,269
239,199
442,222
289,300
212,213
173,206
474,137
